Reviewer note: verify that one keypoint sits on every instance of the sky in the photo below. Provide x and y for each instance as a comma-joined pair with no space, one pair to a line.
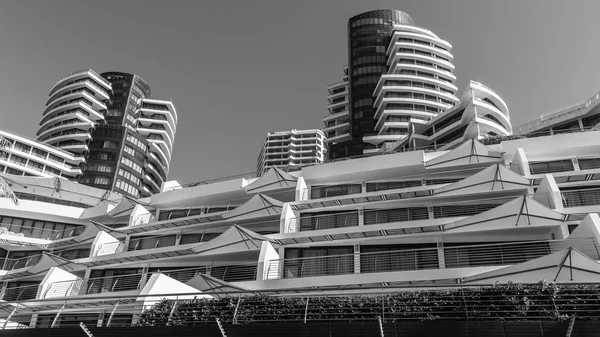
236,70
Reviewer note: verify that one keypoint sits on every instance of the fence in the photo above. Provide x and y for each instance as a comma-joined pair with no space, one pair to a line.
509,302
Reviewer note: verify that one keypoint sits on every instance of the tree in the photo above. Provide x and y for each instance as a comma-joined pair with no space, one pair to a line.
5,190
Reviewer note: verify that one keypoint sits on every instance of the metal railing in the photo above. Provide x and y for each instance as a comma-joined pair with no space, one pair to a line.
388,304
40,233
18,263
109,248
498,254
130,282
579,198
318,222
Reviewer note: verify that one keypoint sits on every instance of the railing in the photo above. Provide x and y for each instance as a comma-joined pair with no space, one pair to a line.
564,113
318,222
22,262
40,233
579,198
249,175
528,306
21,293
109,248
130,282
427,258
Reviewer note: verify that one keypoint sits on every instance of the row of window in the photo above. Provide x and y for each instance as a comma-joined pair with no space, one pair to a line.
127,187
129,163
129,176
99,168
39,228
369,70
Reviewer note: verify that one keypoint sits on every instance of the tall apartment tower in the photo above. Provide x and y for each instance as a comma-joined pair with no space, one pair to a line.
291,149
397,73
124,137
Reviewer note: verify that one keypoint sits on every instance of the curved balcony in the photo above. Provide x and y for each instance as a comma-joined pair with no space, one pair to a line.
157,169
407,77
409,66
67,135
150,103
94,115
340,117
422,36
338,127
161,156
413,89
487,126
152,181
159,115
340,137
484,108
424,48
53,128
161,149
331,97
74,147
396,57
433,104
79,75
166,138
88,84
147,122
338,104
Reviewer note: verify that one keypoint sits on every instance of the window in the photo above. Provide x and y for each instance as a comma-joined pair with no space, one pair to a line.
110,144
129,163
101,180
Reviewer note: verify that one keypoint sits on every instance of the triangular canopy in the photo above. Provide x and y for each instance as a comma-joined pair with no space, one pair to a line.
469,152
493,178
125,207
213,286
235,239
274,178
520,212
46,262
89,233
565,266
258,206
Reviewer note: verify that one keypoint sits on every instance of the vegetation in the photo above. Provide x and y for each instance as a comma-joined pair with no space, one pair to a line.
500,302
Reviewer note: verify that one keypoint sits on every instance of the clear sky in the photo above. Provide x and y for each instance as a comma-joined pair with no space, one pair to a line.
239,69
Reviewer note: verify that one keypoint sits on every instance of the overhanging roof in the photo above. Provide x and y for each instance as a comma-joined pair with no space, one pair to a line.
564,266
258,206
234,240
273,179
46,262
468,152
520,212
493,178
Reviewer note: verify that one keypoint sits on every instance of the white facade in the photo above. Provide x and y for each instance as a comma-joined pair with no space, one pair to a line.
28,157
418,86
337,121
76,104
293,148
474,214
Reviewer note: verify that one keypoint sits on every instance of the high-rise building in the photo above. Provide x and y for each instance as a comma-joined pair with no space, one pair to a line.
102,130
293,148
398,81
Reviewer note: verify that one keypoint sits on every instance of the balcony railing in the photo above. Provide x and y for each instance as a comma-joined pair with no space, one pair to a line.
40,233
579,198
498,254
18,263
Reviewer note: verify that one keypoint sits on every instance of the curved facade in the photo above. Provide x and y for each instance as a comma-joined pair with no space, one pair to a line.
77,103
418,85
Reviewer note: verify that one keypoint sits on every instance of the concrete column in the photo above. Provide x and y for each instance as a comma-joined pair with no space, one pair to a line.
356,259
361,217
441,256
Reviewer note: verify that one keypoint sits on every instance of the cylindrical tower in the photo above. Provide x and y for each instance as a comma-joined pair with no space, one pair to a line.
76,104
418,85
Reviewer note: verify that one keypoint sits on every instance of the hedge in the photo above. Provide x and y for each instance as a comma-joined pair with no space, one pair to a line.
499,302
